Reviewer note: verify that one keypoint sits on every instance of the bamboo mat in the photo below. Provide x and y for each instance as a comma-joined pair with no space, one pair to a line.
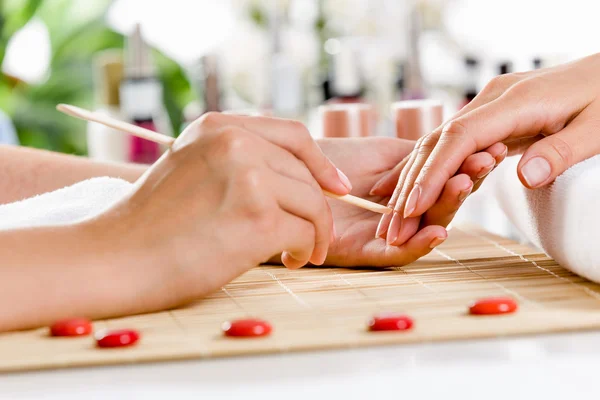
326,308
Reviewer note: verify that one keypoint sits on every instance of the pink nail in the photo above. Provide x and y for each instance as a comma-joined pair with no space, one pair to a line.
464,194
384,222
394,229
485,171
376,186
344,179
411,203
536,171
436,242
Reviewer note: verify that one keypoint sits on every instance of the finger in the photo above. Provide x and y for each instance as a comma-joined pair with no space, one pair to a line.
417,246
302,200
386,184
519,146
298,240
292,136
519,112
455,192
384,222
499,151
553,155
285,164
478,165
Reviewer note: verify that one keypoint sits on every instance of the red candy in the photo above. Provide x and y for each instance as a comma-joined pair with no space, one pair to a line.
71,327
390,322
499,305
117,338
246,328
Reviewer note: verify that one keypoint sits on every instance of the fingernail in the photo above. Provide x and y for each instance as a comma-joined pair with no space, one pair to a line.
344,179
377,185
436,242
536,171
413,198
464,194
502,156
394,229
384,222
485,171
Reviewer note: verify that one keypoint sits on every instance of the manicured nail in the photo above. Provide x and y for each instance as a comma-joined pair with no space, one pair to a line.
394,229
413,198
344,179
436,242
536,171
463,194
502,156
379,183
485,171
384,222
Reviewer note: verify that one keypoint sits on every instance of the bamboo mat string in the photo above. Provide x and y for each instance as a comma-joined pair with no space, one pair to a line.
500,286
590,292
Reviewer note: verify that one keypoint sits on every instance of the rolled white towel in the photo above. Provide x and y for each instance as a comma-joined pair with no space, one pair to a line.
70,204
563,219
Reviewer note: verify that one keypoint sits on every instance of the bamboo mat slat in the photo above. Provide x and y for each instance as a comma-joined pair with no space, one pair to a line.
327,308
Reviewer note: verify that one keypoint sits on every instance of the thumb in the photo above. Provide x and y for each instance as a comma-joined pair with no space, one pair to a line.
546,159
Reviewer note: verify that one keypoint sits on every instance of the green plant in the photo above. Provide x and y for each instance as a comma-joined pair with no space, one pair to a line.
77,32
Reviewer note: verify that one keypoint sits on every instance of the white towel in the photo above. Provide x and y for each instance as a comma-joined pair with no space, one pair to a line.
70,204
563,219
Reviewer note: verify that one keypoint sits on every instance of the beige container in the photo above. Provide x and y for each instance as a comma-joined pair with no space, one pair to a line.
416,118
347,120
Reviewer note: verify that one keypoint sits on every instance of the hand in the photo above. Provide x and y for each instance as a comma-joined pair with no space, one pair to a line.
230,193
551,114
366,161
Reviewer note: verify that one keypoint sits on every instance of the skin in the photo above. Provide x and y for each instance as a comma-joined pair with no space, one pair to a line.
550,115
206,212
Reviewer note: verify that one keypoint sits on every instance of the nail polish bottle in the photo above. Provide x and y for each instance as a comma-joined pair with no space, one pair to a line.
141,97
416,118
347,120
505,67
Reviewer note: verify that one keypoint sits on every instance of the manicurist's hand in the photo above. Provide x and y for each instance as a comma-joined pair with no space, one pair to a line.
552,115
369,163
232,192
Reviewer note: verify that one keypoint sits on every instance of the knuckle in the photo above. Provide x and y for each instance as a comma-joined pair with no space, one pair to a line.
500,83
211,119
524,89
564,151
251,186
231,143
455,128
427,144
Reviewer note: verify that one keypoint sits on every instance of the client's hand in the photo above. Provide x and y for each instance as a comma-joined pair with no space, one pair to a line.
371,161
232,192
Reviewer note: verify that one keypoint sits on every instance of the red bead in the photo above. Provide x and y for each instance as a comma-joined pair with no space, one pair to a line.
117,338
246,328
498,305
71,327
390,322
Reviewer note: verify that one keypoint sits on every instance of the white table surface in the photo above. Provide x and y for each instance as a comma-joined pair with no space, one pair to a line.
533,367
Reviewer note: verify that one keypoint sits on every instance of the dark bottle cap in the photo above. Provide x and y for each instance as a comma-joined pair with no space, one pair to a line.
505,68
471,61
537,63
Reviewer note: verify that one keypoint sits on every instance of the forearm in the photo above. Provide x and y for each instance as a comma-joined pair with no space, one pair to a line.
26,172
60,272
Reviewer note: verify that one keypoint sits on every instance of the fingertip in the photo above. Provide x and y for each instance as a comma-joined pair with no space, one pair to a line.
290,262
344,180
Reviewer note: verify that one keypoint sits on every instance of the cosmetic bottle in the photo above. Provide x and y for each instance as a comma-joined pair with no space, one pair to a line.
105,143
141,97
